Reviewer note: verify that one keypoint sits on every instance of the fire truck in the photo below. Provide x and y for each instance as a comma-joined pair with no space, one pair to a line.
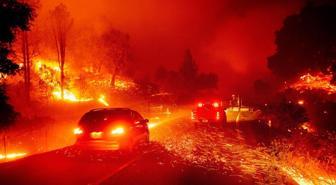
209,111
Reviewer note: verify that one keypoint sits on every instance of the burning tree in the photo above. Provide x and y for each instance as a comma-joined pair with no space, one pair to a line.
61,25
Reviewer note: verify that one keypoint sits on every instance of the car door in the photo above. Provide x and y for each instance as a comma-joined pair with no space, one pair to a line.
140,125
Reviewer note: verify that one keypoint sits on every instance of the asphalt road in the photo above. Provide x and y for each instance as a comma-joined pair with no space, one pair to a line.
180,154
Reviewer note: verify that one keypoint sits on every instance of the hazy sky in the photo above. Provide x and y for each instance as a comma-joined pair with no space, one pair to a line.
230,37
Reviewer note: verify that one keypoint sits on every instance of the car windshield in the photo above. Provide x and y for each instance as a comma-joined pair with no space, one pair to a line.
99,119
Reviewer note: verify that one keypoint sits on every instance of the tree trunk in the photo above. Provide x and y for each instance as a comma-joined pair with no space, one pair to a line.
62,82
113,78
26,66
4,143
62,62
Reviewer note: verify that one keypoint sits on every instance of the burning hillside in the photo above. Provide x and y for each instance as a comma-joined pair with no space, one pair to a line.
83,87
318,81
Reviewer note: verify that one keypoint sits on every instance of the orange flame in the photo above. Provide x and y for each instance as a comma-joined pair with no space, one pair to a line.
315,82
48,71
68,96
12,156
103,101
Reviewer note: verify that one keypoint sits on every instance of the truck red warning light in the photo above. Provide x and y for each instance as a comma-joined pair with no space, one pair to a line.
209,112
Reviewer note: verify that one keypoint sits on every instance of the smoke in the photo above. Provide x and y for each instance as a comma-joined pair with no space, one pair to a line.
230,37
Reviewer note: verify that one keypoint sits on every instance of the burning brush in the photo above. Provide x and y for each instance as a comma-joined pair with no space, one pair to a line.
315,82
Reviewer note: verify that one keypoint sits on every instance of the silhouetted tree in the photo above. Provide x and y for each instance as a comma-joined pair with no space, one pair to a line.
161,74
7,113
27,53
117,47
306,42
61,21
207,81
333,69
189,68
187,81
14,15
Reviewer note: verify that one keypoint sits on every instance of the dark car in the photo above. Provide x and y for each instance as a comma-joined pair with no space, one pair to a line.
119,129
208,111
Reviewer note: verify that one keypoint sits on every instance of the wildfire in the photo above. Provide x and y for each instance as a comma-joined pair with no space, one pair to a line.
301,102
69,96
103,101
315,82
300,178
39,64
12,156
48,72
307,126
123,84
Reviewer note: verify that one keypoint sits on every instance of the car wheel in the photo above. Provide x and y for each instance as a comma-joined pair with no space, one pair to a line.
141,144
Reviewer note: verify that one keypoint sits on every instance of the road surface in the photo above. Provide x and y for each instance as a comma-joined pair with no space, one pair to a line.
180,154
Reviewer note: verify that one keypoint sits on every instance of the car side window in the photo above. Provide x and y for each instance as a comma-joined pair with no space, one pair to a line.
136,116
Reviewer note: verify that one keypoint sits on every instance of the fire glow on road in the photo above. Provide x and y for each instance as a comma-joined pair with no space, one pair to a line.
12,156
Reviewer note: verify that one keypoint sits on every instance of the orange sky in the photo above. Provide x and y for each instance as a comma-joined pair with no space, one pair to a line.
230,37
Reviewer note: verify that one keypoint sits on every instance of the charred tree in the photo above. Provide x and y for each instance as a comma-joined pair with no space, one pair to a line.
117,48
61,25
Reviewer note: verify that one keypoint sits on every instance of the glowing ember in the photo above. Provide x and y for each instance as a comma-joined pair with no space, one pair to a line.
69,96
12,156
315,82
123,84
225,151
301,102
103,101
297,177
307,126
300,178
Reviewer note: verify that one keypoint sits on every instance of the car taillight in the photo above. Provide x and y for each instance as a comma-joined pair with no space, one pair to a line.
78,131
217,116
118,131
215,104
200,104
